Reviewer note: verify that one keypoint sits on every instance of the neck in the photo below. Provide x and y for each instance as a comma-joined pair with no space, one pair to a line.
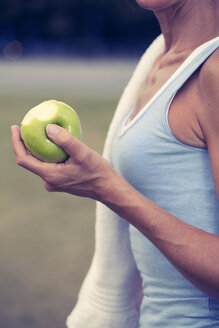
189,24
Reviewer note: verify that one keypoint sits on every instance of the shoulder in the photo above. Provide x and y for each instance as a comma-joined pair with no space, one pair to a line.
209,76
209,95
209,117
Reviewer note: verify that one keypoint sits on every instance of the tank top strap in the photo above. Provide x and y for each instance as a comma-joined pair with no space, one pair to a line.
174,83
190,65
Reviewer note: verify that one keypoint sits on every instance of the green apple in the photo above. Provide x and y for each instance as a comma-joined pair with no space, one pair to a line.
33,129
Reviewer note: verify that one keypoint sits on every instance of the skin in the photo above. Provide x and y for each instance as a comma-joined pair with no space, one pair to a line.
185,25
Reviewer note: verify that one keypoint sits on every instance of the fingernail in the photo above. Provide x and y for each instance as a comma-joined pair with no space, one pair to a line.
52,129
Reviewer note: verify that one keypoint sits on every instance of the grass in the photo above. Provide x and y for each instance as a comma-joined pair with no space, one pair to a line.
46,239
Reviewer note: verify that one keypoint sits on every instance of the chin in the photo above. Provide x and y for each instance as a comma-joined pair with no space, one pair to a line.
156,5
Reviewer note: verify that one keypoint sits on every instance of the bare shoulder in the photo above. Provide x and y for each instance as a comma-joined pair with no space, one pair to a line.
209,95
209,76
209,118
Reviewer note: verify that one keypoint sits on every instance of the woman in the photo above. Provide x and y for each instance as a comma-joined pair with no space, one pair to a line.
165,184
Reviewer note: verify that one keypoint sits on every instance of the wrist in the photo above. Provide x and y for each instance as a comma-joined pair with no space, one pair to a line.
114,191
105,183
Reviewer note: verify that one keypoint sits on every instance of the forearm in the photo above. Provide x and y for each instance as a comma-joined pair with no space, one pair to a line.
192,251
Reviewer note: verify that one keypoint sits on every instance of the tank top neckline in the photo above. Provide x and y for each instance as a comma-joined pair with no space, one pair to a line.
127,124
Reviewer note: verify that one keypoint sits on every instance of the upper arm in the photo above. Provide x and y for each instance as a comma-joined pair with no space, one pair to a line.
209,119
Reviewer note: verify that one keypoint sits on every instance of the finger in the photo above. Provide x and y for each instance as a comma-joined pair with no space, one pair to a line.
17,143
24,159
73,147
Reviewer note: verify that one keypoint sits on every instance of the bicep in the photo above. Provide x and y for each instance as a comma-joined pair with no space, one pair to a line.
213,149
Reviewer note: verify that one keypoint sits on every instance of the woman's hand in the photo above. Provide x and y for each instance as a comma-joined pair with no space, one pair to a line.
85,173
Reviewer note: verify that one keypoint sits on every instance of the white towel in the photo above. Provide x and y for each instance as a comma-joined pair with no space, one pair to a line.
109,294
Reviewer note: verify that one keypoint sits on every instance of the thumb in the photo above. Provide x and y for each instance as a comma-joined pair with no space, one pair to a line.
62,137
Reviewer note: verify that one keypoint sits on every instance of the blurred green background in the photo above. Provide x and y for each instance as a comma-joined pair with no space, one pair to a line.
47,239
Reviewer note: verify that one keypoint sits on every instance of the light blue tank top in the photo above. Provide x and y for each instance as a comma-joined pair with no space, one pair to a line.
177,177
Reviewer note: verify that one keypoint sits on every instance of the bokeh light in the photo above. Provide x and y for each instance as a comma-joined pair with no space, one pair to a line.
12,50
